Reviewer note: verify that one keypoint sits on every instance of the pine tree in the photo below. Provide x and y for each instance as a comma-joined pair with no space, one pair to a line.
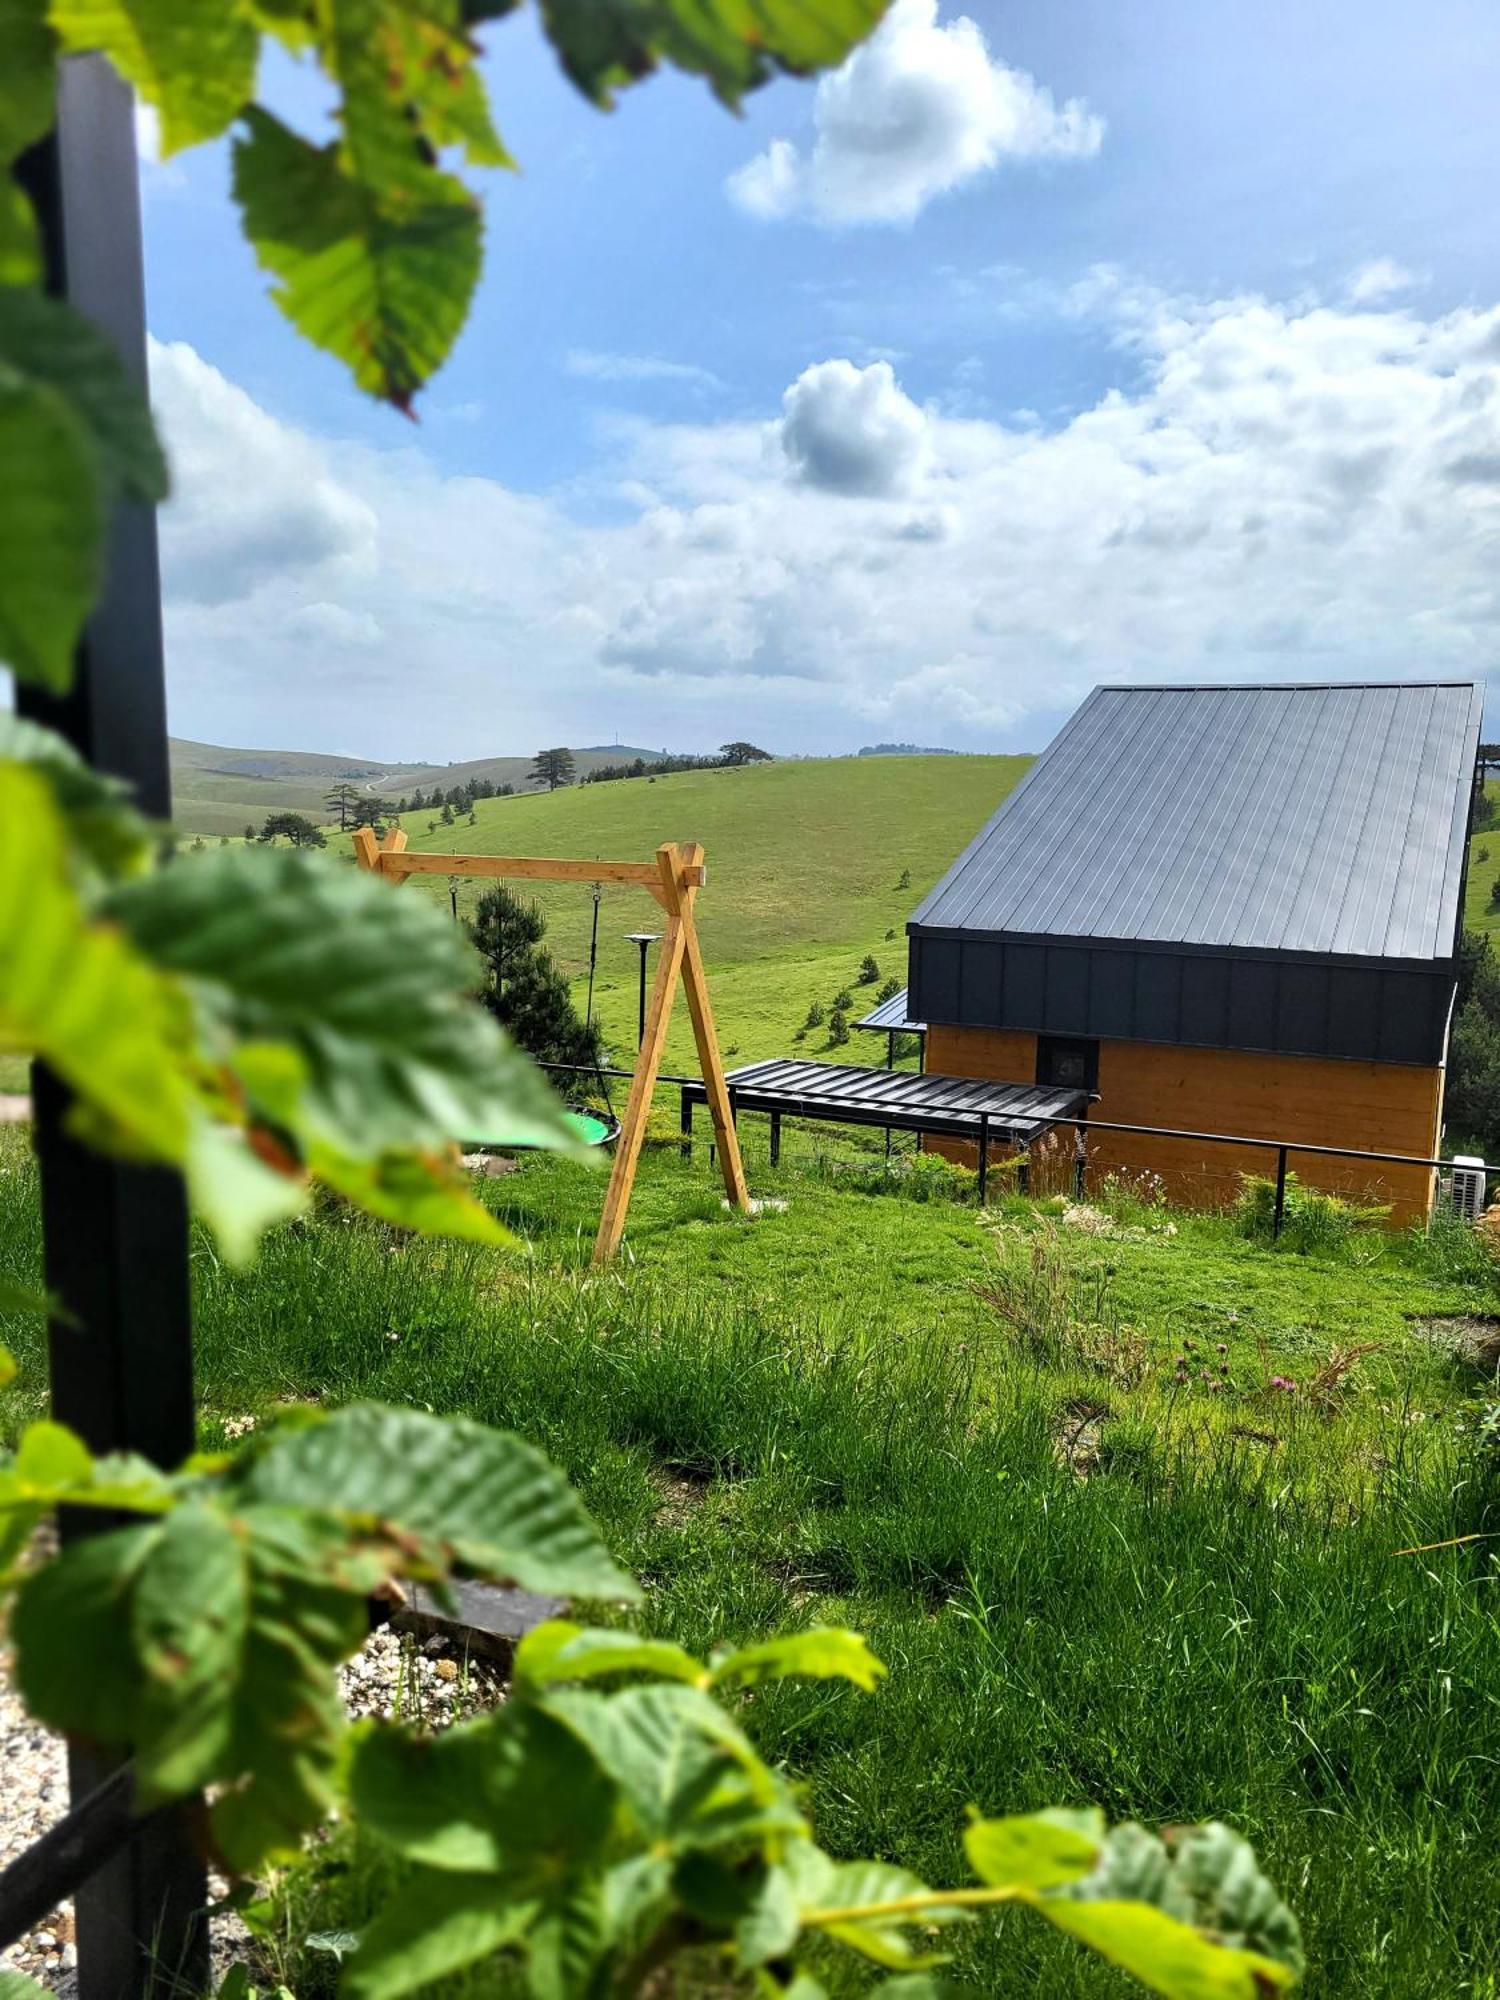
552,768
525,990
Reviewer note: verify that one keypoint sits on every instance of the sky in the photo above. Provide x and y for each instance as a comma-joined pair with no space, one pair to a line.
1040,345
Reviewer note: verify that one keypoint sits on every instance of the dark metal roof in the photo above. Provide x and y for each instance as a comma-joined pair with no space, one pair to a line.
845,1094
890,1018
1325,820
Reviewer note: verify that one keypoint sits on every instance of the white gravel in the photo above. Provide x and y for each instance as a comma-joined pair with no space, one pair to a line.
428,1681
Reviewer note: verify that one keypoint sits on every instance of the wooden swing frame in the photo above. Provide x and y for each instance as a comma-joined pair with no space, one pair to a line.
674,879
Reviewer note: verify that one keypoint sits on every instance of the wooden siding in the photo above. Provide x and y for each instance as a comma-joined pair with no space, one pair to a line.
1379,1107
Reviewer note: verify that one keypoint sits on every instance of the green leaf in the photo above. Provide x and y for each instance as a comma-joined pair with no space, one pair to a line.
71,1667
28,75
1166,1955
824,1653
770,1927
14,1299
97,810
515,1793
190,1615
842,1898
378,275
568,1942
686,1772
20,245
415,1191
51,531
438,1924
238,1195
1036,1850
562,1651
76,993
479,1497
367,984
52,1457
736,44
50,343
195,63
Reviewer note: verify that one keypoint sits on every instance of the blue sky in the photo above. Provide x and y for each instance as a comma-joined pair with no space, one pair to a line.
1048,344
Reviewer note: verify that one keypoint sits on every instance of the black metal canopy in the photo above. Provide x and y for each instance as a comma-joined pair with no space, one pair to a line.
958,1107
889,1018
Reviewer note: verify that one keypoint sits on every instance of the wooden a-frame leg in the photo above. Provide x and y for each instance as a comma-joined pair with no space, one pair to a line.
366,848
642,1084
695,980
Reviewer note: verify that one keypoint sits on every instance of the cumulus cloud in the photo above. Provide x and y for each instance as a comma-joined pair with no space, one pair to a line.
916,110
255,502
1277,490
853,430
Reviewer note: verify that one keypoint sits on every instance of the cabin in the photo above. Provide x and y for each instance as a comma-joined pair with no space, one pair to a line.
1226,910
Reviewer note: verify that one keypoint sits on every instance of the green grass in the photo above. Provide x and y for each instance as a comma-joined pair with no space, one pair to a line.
1484,874
804,860
812,1415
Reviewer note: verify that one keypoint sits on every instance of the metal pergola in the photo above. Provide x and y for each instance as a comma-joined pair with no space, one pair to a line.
954,1107
890,1019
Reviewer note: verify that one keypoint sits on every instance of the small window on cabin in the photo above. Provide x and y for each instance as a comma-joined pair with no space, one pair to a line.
1065,1064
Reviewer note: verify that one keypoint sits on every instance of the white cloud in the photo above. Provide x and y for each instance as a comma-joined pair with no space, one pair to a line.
1381,278
853,430
637,368
255,502
1283,490
916,110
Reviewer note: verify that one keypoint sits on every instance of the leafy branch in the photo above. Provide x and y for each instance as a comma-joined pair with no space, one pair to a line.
592,1831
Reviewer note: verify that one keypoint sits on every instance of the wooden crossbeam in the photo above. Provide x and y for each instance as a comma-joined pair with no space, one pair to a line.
523,867
674,879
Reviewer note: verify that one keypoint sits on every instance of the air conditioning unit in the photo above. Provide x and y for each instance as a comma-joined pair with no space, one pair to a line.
1466,1186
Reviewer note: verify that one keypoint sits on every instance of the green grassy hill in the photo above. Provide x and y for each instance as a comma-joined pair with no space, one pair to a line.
217,790
1484,878
804,862
501,770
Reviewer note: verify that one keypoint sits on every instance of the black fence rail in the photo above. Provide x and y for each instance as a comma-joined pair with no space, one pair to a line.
1284,1149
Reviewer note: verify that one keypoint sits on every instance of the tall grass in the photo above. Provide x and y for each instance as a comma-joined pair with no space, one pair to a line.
1209,1624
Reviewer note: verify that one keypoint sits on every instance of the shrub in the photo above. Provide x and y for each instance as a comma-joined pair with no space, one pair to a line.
888,991
838,1028
905,881
1311,1220
869,971
815,1015
843,1000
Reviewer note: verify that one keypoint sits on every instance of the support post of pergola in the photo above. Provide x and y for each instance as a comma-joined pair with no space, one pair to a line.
115,1236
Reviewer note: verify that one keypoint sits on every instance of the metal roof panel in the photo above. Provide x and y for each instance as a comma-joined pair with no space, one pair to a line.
1318,818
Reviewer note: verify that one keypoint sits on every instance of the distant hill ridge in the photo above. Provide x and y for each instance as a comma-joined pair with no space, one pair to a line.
217,789
905,750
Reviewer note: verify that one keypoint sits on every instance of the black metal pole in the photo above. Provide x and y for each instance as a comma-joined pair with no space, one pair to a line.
686,1122
984,1155
640,1012
1280,1215
775,1138
115,1236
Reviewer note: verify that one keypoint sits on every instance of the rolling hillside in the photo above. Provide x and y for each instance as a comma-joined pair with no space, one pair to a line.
804,862
220,790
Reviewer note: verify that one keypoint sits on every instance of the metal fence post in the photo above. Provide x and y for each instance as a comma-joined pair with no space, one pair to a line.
984,1155
115,1236
685,1120
775,1138
1280,1215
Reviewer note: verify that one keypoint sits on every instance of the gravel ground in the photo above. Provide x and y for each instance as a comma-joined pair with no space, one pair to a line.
430,1681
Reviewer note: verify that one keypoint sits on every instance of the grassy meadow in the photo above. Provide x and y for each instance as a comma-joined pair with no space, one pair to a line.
1090,1579
804,866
